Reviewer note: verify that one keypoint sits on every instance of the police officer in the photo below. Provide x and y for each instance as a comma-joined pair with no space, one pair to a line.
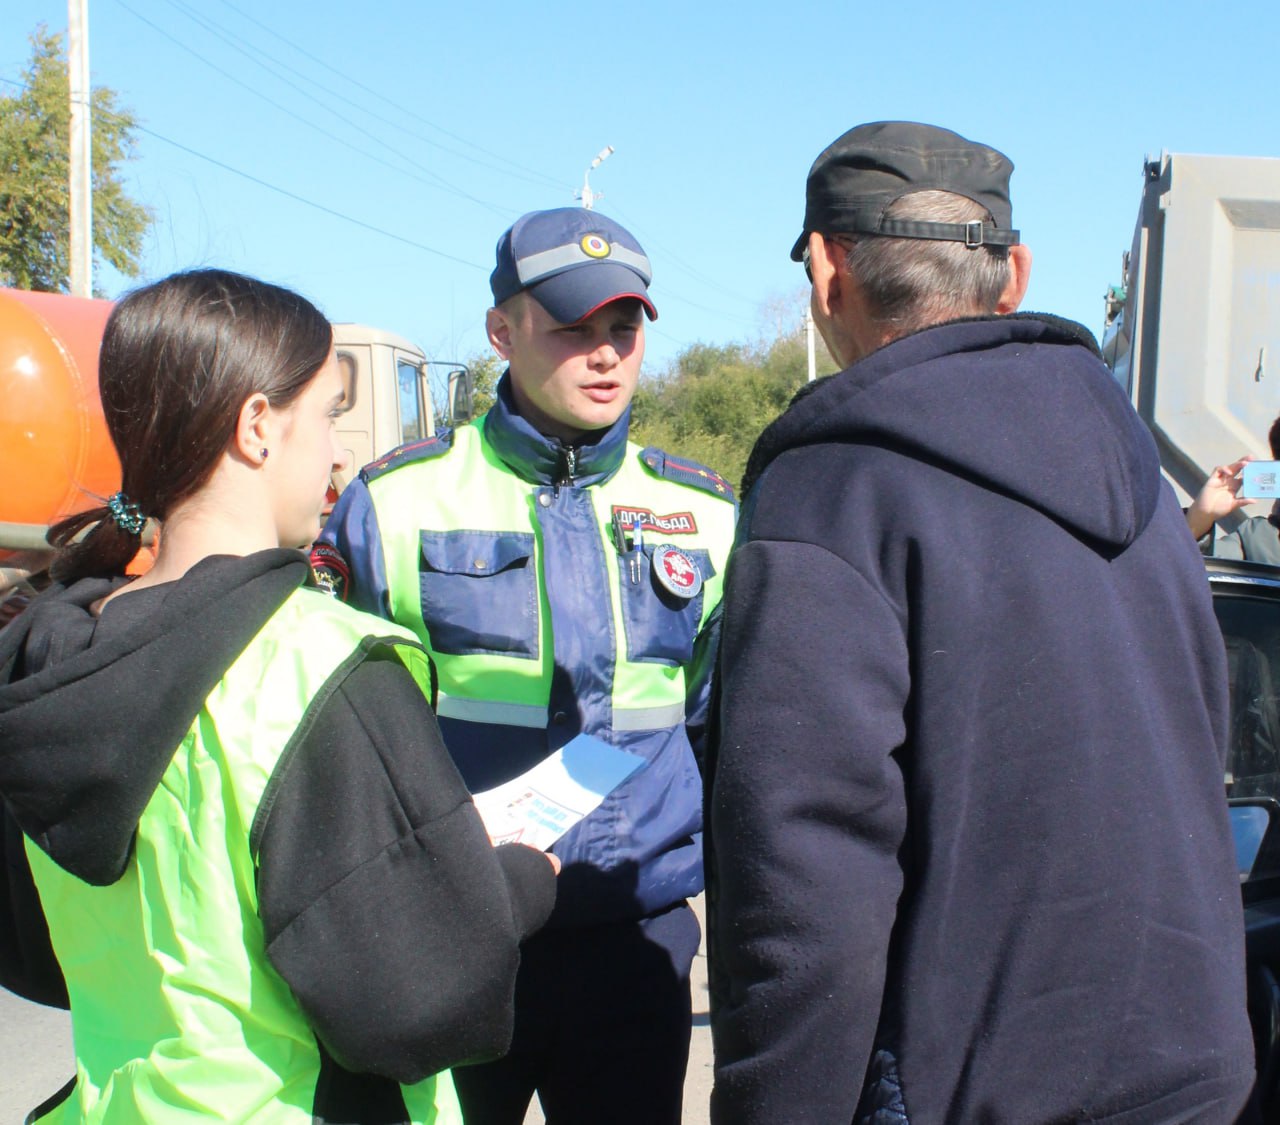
561,578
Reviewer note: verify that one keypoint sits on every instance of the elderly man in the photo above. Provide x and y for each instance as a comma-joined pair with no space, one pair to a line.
968,854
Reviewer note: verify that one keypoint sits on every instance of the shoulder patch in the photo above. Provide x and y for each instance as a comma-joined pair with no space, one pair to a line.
435,446
683,471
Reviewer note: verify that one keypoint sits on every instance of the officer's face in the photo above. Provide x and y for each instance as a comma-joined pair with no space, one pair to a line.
570,379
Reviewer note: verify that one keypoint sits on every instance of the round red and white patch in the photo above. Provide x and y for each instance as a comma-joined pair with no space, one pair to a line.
676,571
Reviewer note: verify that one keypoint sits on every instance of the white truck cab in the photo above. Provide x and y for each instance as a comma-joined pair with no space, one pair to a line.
392,396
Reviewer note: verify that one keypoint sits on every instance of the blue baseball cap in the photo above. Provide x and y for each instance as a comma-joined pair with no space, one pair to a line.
572,262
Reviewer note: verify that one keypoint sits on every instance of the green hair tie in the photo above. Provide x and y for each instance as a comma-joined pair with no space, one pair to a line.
127,514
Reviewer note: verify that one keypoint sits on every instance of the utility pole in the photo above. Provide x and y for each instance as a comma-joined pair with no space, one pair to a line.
588,196
81,149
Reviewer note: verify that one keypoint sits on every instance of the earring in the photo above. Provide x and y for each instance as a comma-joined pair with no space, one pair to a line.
264,454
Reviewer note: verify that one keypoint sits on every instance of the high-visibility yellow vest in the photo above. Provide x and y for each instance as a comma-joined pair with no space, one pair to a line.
176,1012
467,561
546,616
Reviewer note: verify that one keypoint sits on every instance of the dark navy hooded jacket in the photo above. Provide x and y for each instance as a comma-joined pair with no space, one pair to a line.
968,853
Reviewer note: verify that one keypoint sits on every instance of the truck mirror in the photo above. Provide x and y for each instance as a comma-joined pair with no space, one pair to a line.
347,366
460,399
1255,828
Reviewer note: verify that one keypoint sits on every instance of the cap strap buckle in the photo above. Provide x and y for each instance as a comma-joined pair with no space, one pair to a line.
974,233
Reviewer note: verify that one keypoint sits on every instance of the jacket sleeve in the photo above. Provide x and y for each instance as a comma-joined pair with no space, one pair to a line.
698,683
384,907
806,815
28,966
1222,545
347,556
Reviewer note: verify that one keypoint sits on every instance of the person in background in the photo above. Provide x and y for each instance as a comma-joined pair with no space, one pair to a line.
269,894
561,578
1257,539
968,857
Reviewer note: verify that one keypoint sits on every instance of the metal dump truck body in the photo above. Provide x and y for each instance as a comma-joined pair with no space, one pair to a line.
1197,340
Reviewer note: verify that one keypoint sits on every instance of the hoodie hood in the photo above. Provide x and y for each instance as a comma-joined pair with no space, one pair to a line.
92,709
1021,404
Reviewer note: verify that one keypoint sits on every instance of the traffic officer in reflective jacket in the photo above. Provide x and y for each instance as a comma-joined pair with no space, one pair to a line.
563,580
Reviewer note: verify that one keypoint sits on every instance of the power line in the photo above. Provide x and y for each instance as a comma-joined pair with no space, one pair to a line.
693,272
312,203
276,188
241,44
236,43
360,222
382,97
439,181
702,308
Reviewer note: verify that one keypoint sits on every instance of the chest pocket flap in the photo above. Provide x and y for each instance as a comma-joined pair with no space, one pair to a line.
660,627
480,592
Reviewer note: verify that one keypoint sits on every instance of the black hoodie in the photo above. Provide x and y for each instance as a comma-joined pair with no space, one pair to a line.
968,852
91,711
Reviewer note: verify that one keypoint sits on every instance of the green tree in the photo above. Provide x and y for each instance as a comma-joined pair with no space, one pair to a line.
713,402
486,369
35,139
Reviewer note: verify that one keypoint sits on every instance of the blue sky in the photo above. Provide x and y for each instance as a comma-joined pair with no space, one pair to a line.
441,123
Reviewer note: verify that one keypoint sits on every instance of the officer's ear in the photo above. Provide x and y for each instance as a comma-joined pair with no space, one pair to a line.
497,324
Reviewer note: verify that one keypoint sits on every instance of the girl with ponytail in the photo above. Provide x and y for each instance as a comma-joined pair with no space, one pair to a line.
263,889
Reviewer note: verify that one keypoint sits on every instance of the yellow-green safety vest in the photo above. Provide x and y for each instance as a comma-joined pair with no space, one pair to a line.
177,1014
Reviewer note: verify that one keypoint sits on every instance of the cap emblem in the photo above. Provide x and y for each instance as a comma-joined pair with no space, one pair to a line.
594,246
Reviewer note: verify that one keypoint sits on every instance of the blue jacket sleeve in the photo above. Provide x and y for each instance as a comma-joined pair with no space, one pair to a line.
348,555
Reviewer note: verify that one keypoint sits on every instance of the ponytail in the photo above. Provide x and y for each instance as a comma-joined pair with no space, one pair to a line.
103,551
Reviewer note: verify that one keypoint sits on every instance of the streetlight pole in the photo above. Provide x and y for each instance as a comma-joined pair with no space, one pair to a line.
81,184
588,196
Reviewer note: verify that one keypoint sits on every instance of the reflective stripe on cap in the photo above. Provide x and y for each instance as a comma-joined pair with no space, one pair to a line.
536,267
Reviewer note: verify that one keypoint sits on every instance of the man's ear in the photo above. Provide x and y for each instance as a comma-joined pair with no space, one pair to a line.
826,260
497,324
1019,277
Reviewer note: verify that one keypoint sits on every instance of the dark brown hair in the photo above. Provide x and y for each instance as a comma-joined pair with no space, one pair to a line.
178,360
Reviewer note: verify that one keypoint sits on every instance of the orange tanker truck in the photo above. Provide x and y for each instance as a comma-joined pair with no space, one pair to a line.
56,457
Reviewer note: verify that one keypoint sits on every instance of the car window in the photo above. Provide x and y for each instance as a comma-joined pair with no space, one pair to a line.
1251,630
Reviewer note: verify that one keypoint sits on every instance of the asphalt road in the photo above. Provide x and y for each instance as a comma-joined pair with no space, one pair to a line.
36,1056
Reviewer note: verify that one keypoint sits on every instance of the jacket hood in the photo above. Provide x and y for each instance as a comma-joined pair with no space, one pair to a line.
90,715
1021,404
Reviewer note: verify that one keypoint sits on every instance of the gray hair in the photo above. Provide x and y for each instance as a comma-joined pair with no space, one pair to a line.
912,283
